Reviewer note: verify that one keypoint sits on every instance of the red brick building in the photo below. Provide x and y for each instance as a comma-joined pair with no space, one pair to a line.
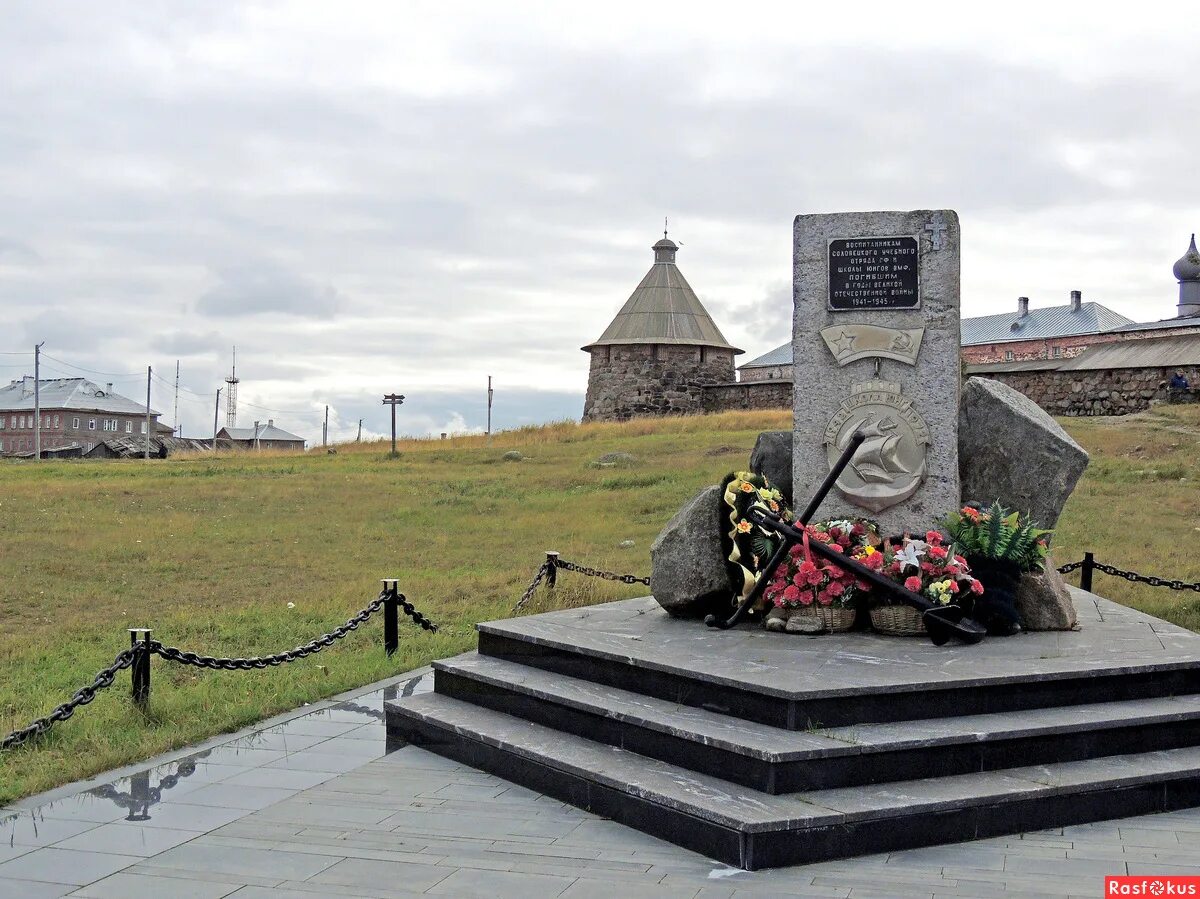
74,412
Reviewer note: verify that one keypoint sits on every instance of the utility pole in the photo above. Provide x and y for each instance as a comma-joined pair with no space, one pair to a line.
37,402
256,443
358,439
216,415
489,427
149,372
393,400
176,422
325,429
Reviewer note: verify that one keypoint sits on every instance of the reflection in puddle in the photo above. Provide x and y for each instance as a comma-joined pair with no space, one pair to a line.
138,794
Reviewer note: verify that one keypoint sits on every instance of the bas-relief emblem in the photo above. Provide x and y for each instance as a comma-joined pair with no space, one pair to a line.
890,465
851,342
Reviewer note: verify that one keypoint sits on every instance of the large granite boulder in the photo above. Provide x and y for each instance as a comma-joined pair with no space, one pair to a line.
1009,449
1044,601
688,575
772,458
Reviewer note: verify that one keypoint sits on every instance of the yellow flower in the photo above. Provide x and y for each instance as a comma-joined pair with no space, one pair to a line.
743,527
869,550
747,487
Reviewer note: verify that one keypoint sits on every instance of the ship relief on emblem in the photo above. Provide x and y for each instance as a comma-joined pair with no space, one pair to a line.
890,465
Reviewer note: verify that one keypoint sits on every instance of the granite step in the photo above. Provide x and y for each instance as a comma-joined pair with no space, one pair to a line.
798,683
752,829
776,760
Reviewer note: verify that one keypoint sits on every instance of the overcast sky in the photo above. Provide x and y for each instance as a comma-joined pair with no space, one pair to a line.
378,197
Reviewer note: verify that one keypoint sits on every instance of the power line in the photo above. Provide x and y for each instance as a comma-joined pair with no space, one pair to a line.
92,371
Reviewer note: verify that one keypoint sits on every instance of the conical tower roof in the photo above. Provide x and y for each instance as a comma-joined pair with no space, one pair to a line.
663,309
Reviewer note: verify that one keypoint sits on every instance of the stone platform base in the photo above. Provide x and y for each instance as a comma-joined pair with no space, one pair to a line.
763,749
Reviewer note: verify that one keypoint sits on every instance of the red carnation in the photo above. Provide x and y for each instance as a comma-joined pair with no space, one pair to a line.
976,587
791,594
938,552
933,538
913,584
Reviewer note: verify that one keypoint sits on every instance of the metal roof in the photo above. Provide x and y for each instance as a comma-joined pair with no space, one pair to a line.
70,394
781,355
663,308
981,368
135,447
1039,324
1183,321
1147,352
266,433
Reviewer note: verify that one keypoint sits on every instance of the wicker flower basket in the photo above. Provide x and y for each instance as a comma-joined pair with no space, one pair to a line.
897,621
835,618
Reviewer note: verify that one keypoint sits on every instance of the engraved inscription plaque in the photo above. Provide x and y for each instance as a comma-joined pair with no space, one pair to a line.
873,273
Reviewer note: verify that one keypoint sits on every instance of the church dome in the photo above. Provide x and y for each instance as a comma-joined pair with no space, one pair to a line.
1188,266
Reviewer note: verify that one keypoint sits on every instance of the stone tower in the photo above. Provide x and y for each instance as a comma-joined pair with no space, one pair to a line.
660,352
1187,271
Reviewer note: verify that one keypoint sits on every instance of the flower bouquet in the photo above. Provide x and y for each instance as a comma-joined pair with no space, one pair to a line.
928,567
1001,546
806,586
748,547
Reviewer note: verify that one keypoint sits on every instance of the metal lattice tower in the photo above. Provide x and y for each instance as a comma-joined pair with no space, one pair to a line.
231,384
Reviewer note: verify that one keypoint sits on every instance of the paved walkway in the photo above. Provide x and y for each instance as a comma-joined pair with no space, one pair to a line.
309,804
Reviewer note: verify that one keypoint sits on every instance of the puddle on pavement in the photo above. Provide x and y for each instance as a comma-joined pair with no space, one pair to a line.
137,797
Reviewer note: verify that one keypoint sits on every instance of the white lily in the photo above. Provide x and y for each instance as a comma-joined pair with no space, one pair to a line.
910,555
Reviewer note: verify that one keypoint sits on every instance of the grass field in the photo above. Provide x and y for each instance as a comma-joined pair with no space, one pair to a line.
210,552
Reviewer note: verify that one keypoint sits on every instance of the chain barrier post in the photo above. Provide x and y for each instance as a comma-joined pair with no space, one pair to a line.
551,569
1085,574
139,671
391,611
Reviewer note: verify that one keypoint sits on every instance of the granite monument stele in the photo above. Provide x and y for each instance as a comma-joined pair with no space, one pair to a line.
876,348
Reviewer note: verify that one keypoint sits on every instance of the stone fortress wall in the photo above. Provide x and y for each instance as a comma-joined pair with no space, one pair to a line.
1114,391
631,380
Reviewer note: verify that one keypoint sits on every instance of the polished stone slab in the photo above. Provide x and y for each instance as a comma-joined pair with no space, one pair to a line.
1112,639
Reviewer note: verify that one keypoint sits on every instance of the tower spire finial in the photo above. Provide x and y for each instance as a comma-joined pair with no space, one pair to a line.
664,226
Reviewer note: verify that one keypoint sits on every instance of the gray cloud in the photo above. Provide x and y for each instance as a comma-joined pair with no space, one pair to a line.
363,222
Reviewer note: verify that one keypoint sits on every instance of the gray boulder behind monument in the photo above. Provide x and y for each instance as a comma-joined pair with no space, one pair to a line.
1009,449
772,458
687,575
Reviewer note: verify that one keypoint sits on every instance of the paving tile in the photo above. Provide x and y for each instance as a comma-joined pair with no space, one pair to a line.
322,813
202,856
244,798
586,888
311,726
151,886
279,778
32,889
7,852
473,884
187,816
315,761
128,839
64,866
372,872
34,830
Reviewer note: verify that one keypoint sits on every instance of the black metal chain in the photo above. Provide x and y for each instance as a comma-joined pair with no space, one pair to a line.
606,575
411,611
184,657
1068,568
103,679
533,585
1145,579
